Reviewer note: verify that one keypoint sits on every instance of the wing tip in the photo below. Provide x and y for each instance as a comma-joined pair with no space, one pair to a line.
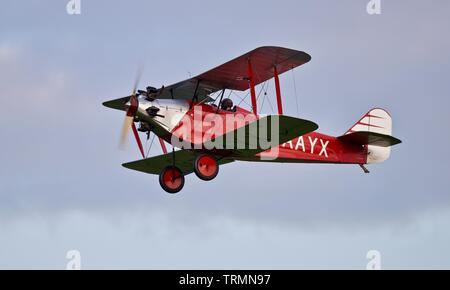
306,56
107,104
118,104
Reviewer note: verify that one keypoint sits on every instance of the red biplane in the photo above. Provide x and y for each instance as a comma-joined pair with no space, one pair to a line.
208,130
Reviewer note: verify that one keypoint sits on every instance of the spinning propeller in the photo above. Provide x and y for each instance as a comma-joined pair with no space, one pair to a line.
129,117
129,120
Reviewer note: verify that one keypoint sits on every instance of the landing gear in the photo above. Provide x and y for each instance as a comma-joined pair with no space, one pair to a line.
206,167
171,179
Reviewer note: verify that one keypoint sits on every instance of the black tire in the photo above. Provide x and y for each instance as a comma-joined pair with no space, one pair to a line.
200,170
165,183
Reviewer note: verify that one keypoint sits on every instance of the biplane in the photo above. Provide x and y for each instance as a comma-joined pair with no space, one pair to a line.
206,130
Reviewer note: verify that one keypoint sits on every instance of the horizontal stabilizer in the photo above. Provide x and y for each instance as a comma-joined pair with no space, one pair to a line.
370,138
184,159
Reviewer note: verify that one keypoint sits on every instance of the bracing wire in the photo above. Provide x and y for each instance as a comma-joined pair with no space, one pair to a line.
229,94
264,98
242,99
270,105
262,87
295,91
259,93
150,147
266,84
260,90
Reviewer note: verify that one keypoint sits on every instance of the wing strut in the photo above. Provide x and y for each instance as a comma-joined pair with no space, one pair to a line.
252,86
194,96
138,140
220,101
163,145
278,91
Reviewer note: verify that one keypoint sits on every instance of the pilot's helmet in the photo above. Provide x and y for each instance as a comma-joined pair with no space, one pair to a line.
227,104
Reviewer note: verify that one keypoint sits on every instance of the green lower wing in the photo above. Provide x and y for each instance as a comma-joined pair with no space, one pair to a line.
184,159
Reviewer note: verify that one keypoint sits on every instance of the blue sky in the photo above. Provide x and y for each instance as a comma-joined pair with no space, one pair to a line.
62,186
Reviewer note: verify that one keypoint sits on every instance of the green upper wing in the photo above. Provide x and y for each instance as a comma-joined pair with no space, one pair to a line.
254,137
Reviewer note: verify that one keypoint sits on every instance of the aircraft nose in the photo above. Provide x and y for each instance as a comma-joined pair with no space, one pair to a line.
127,105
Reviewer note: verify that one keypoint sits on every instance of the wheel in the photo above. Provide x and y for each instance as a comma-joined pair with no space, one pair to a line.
171,179
206,167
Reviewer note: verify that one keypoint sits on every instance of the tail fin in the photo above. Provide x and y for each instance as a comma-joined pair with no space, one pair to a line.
376,121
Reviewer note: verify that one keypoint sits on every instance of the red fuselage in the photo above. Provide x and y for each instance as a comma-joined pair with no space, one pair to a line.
313,147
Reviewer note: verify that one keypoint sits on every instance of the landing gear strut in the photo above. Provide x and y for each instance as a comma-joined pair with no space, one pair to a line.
206,167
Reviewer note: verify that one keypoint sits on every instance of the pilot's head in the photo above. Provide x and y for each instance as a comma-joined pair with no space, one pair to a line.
226,104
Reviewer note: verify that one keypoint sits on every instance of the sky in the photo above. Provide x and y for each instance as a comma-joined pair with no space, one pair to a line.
62,186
